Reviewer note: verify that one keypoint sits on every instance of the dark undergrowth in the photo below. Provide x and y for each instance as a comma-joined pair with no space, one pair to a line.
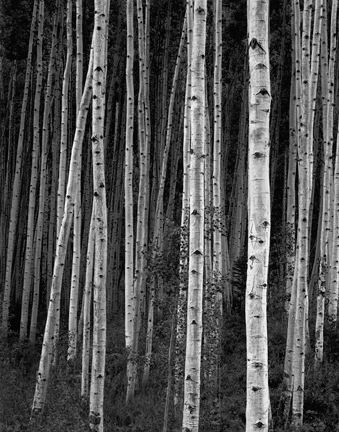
221,412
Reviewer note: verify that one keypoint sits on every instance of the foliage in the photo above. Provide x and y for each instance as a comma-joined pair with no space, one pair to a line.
226,412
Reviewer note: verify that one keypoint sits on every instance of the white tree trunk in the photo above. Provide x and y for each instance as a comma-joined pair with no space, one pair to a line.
334,246
196,224
183,266
129,262
17,181
88,288
61,247
304,192
34,177
259,218
101,19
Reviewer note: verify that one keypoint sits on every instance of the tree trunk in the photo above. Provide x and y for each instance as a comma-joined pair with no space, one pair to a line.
196,225
17,182
129,226
61,248
259,218
96,418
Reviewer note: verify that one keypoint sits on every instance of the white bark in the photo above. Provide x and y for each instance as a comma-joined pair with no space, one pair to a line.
304,192
334,247
17,181
196,224
325,228
101,18
129,262
259,218
86,336
34,178
61,247
183,266
73,303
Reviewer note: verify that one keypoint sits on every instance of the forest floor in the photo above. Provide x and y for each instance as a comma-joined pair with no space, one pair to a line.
220,412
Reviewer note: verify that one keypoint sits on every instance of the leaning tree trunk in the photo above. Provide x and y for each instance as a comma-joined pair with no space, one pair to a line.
73,302
61,248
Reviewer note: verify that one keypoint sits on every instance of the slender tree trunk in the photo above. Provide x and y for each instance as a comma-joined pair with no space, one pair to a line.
196,233
304,191
158,228
73,304
34,178
129,226
259,218
320,16
65,108
17,181
183,266
61,248
334,246
86,339
96,420
144,189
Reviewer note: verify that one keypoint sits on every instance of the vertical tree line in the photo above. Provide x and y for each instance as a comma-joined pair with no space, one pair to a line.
172,166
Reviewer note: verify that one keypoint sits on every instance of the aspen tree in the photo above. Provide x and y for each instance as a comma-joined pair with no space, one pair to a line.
80,53
96,419
158,228
61,248
325,228
183,265
208,194
290,227
238,200
65,106
291,176
216,175
180,342
165,143
118,193
196,224
163,110
64,117
175,154
7,166
56,115
112,208
333,305
276,116
287,392
129,263
17,180
216,294
304,189
143,198
88,288
334,247
161,116
34,178
73,306
210,344
2,95
259,218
